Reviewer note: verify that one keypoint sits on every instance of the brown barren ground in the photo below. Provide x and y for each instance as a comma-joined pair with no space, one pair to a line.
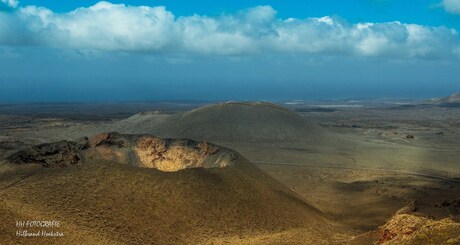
340,182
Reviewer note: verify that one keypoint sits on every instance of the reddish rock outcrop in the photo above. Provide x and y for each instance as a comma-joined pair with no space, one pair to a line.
412,229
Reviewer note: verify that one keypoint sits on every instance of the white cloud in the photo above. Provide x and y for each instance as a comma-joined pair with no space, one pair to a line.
118,27
10,3
451,6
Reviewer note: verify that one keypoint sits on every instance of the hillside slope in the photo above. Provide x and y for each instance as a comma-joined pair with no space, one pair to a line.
100,201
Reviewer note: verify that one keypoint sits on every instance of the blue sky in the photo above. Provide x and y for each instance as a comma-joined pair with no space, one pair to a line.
213,50
426,12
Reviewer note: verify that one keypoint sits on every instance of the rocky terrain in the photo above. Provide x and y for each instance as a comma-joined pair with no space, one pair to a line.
138,150
409,227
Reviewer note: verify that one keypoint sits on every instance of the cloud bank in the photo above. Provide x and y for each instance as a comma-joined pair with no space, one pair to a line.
10,3
451,6
256,31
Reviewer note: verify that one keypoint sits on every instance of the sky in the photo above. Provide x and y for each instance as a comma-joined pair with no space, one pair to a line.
90,51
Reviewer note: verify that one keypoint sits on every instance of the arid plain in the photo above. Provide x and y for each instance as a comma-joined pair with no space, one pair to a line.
294,172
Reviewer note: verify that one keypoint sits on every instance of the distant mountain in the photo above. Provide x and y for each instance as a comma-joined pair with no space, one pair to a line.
227,122
453,99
